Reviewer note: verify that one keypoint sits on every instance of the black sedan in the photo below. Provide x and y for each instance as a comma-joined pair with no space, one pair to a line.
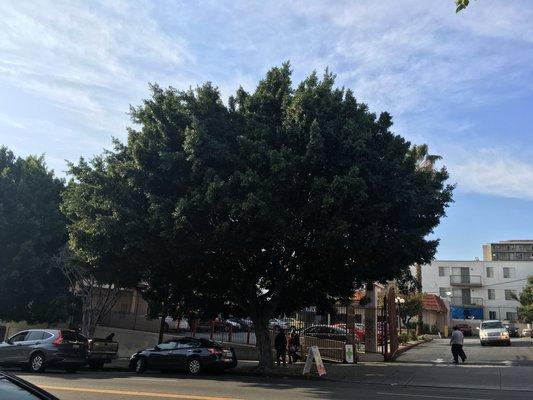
513,330
190,354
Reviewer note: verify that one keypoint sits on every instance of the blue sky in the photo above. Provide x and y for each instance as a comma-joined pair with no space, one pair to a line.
460,82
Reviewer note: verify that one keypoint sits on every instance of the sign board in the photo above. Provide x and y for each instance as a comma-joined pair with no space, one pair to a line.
314,354
349,353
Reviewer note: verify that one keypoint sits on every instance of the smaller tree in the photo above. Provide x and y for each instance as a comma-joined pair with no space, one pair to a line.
411,308
525,311
97,298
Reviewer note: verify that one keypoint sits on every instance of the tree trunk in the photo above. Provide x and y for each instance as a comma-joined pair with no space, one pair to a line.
162,322
264,346
86,317
420,325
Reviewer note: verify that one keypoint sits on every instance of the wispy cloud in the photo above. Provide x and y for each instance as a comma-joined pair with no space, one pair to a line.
10,122
82,55
80,64
493,173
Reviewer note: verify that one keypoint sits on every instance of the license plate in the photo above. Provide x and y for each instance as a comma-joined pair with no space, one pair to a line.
75,346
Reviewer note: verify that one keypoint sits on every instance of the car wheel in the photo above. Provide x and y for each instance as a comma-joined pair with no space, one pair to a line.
508,343
140,365
37,362
71,370
194,366
483,344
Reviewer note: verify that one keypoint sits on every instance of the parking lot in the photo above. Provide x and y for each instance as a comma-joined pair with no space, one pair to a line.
438,351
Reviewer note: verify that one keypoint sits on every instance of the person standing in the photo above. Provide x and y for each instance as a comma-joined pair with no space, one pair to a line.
294,347
280,344
457,345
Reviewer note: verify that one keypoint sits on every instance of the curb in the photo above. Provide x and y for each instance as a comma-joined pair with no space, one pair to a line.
409,346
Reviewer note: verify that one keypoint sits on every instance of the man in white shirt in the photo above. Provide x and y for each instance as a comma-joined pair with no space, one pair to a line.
457,345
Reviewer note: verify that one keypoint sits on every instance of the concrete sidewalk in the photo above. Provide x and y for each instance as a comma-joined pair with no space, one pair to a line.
399,374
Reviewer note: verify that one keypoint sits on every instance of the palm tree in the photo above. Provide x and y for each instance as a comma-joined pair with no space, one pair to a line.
424,161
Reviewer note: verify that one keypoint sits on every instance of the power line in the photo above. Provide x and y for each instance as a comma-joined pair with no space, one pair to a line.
505,283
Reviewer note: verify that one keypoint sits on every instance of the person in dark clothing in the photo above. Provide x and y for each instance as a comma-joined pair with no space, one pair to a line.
457,345
294,347
280,344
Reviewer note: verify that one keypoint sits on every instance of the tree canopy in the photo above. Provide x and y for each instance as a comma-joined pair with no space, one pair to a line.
283,198
32,230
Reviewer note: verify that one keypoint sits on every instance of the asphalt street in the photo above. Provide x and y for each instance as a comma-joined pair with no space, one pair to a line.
438,351
123,385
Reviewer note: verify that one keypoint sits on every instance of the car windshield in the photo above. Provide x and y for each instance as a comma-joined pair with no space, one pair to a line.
492,325
10,391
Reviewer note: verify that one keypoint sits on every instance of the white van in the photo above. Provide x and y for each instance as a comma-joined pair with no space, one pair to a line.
493,331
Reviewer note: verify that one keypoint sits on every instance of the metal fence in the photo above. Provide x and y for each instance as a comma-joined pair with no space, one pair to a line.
329,331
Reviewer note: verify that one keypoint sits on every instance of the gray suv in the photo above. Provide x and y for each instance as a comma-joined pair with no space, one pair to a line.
37,349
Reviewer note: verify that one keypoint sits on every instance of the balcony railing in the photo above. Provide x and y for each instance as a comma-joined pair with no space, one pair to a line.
467,302
465,280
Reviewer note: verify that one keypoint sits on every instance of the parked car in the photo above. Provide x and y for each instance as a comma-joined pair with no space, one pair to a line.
234,324
176,325
190,354
100,352
247,323
513,330
329,332
38,349
465,329
527,332
275,324
358,329
493,331
13,387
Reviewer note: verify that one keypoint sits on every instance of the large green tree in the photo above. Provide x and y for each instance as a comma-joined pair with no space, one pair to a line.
283,198
32,230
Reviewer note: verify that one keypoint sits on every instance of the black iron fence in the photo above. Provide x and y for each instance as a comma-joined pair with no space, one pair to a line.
364,327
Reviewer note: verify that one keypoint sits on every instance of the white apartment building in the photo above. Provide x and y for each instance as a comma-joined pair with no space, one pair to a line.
478,289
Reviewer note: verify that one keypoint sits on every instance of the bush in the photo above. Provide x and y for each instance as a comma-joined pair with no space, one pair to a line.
403,337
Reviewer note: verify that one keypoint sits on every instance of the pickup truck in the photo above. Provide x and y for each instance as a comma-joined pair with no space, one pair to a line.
100,352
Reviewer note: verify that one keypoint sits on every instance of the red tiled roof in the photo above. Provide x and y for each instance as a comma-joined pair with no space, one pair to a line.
433,302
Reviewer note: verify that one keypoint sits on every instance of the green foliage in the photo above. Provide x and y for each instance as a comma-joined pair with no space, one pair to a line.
525,311
288,197
407,283
461,5
411,308
403,337
32,230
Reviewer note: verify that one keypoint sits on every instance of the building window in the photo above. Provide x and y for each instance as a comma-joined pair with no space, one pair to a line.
511,316
509,272
491,293
510,294
444,290
444,271
492,314
490,272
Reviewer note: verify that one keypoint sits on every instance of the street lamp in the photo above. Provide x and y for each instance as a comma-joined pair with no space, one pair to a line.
398,300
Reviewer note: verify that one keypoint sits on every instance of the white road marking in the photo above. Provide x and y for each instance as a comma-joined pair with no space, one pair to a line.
432,397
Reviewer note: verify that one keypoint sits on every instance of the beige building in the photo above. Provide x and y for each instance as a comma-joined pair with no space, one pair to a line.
509,250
